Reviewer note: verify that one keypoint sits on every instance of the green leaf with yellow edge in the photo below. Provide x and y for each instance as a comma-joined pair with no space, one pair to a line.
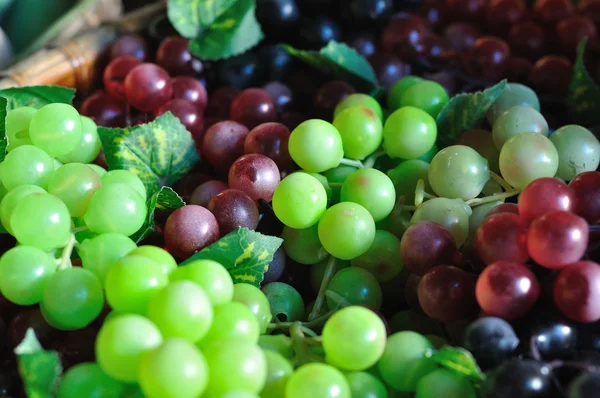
159,152
246,254
459,360
40,370
164,199
583,97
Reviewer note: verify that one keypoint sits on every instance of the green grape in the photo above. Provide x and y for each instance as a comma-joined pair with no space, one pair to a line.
396,91
430,154
514,94
88,147
323,180
303,245
99,253
24,272
517,120
158,255
359,100
211,276
41,220
361,131
286,303
88,380
116,208
318,270
235,365
397,224
99,170
476,218
490,188
279,343
452,214
458,171
3,191
316,145
346,230
17,127
26,165
444,383
176,369
357,286
111,315
279,370
371,189
383,257
299,200
131,282
256,300
181,309
427,95
57,164
338,175
409,133
317,380
238,394
231,321
122,343
415,321
578,151
405,177
72,299
403,362
12,199
353,338
483,142
56,128
124,177
527,157
365,385
74,184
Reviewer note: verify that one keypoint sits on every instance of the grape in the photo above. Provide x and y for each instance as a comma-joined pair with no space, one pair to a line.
281,93
514,94
577,291
553,337
507,290
122,343
232,321
516,120
190,89
586,384
131,282
371,189
491,340
299,201
502,237
557,239
487,58
317,380
223,143
72,299
512,208
206,191
12,199
346,230
277,266
158,255
361,131
409,133
479,214
278,343
124,177
303,245
446,383
461,36
41,220
519,378
174,55
88,147
24,272
99,253
17,127
148,86
357,286
405,177
176,369
452,214
365,385
382,257
318,270
99,170
543,196
252,107
338,175
188,114
329,95
316,145
586,188
399,87
56,129
88,380
211,276
234,209
181,309
116,207
285,301
426,95
359,100
129,44
189,229
256,175
26,165
483,143
271,140
527,157
578,151
104,110
115,73
256,300
235,365
404,362
279,371
74,184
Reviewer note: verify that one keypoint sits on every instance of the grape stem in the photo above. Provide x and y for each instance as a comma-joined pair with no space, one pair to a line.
301,345
505,185
317,323
353,163
492,198
370,161
64,261
338,299
335,184
80,229
327,275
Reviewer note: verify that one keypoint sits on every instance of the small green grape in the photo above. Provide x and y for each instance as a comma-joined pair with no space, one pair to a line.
26,165
383,257
231,321
286,303
318,270
316,145
299,201
371,189
405,177
88,147
427,95
452,214
100,252
256,300
517,120
99,170
578,151
56,128
446,383
17,127
359,99
317,380
514,94
396,91
211,276
338,175
357,286
409,133
12,199
158,255
361,131
303,245
365,385
279,370
124,177
88,380
278,343
74,184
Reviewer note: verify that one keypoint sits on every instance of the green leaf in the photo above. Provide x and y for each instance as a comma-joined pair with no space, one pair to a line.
189,17
33,96
459,360
159,152
40,370
246,254
465,111
341,62
583,98
233,30
164,199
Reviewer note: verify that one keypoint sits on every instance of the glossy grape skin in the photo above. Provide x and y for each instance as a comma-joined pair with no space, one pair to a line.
189,229
158,255
405,177
361,131
317,380
12,199
124,177
191,90
557,239
446,383
56,129
328,96
26,164
527,157
206,191
543,196
279,370
507,290
382,258
271,140
491,340
514,94
252,107
86,380
100,252
232,321
316,31
316,145
576,291
398,88
148,86
286,303
115,73
502,237
173,55
578,151
121,344
233,209
409,133
223,143
365,385
357,286
515,120
74,184
406,38
519,378
104,110
551,75
88,148
452,214
256,175
187,113
487,58
512,208
553,337
371,189
256,300
211,276
17,126
303,245
425,95
586,188
299,201
359,100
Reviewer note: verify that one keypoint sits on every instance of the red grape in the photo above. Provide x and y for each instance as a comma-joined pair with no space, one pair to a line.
173,55
550,12
527,39
190,89
517,69
465,10
130,44
507,290
115,73
234,209
591,8
388,68
206,191
543,196
551,75
220,101
433,11
256,175
572,30
271,140
104,110
512,208
557,239
187,113
406,38
502,238
189,229
252,107
281,93
501,14
577,291
586,188
461,35
189,183
487,58
223,143
148,86
329,95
